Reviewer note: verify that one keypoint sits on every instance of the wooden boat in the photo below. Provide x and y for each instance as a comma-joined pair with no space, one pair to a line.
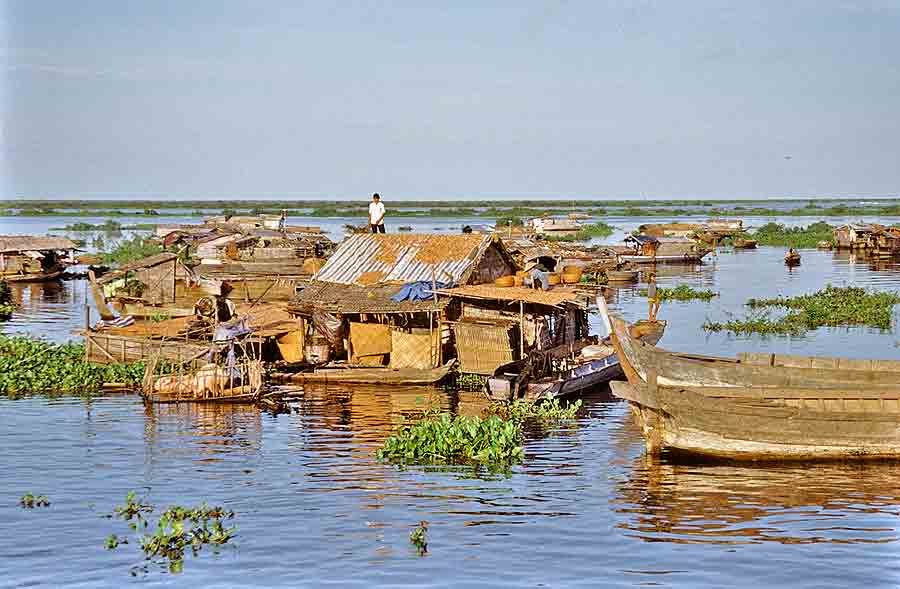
761,423
745,244
622,275
760,406
792,259
749,369
824,245
385,376
592,365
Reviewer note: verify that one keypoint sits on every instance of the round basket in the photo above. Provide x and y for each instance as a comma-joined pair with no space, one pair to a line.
553,279
522,273
519,280
573,278
505,281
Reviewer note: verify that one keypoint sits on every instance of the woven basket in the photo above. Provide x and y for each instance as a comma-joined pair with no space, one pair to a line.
505,281
553,279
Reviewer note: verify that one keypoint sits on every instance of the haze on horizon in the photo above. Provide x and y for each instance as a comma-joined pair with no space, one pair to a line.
528,99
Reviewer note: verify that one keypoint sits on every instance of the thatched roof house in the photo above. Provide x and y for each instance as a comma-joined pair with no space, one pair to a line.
27,258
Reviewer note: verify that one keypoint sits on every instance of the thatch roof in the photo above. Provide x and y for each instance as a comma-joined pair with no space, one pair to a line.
28,243
557,297
351,299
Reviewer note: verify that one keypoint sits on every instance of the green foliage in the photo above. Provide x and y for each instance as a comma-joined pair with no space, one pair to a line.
521,410
419,539
108,226
178,528
447,439
470,382
830,306
587,232
682,292
29,501
33,365
7,307
158,316
508,221
441,438
797,237
129,250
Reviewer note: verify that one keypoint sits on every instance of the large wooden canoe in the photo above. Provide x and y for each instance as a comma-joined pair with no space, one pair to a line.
767,423
639,359
760,406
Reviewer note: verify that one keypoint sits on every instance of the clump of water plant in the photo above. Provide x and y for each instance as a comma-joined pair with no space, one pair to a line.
177,529
587,232
682,292
441,438
520,410
468,381
28,364
29,501
418,538
129,250
831,306
799,237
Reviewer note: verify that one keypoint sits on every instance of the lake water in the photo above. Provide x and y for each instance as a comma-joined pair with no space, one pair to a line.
586,507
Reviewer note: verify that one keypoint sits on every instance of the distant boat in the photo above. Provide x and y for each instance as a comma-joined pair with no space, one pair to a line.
744,244
792,259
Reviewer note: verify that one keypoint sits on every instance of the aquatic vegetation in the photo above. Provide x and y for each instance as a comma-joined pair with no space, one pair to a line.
520,410
109,226
178,528
470,382
29,501
158,316
598,229
7,307
32,365
441,438
129,250
682,292
418,538
830,306
797,237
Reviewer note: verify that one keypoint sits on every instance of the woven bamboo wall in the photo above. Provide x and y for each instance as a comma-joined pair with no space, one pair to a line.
414,348
370,343
117,349
482,348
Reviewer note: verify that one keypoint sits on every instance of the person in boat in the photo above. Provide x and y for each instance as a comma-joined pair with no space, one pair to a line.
376,214
652,296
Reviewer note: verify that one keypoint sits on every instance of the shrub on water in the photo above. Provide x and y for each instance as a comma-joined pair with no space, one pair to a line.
32,365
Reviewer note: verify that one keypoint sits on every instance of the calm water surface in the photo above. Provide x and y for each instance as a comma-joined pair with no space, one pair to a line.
587,507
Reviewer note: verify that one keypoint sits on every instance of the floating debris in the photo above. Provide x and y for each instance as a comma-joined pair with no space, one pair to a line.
419,538
29,501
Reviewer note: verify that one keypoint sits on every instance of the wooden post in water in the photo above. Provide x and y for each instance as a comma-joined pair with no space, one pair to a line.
87,328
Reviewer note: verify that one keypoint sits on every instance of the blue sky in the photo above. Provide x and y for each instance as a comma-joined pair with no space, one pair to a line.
450,100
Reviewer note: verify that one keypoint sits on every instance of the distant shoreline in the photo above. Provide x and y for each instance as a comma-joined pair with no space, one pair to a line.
501,211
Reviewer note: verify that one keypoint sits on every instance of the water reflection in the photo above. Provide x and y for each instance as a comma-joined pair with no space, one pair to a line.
789,504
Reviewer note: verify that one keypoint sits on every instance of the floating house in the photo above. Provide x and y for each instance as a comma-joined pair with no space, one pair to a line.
374,303
648,249
33,259
855,236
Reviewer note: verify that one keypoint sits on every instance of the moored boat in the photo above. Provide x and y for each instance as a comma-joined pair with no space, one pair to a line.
622,275
760,406
792,259
745,244
576,372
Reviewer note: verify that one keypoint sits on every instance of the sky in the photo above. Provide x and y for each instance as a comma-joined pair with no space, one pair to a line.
445,100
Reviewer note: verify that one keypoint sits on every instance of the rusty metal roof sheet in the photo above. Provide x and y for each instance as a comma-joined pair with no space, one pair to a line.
23,243
370,259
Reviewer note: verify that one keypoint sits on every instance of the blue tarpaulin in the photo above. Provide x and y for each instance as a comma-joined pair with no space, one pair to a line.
419,291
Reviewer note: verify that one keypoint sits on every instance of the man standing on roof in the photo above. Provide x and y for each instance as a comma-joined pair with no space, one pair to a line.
376,214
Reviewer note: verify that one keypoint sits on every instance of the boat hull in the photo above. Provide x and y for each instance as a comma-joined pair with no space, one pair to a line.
674,259
825,424
43,277
385,376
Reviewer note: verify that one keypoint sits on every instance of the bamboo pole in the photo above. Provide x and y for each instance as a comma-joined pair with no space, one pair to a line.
521,329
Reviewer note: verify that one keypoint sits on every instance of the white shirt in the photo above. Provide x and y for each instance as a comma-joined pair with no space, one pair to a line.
376,211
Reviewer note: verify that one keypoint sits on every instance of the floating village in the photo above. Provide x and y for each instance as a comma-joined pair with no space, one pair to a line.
250,309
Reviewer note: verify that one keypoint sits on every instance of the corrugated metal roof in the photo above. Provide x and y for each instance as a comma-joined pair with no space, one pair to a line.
22,243
369,259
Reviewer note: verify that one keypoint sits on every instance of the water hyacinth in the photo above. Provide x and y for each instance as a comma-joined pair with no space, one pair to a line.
32,365
682,292
831,306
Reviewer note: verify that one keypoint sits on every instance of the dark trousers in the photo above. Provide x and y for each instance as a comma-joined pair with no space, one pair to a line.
377,228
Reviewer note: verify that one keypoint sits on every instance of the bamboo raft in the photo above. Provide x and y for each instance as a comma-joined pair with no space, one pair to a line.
761,406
